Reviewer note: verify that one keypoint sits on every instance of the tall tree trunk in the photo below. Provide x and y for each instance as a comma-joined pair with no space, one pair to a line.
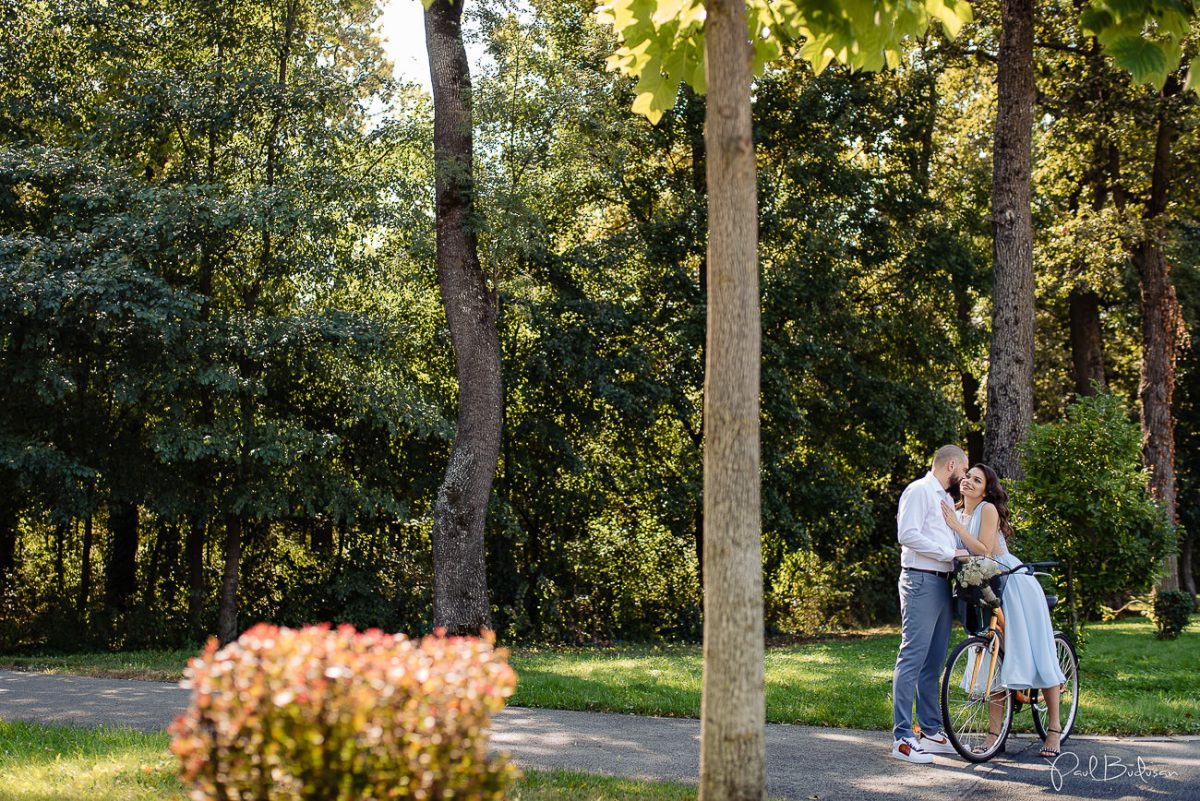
8,538
85,571
194,555
1162,324
120,575
60,544
1087,344
460,598
732,715
1010,370
694,114
227,614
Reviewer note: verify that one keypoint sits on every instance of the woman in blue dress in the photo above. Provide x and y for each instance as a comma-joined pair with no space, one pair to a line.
1030,656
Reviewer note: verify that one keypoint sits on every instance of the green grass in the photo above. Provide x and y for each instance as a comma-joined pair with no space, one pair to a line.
1131,683
59,763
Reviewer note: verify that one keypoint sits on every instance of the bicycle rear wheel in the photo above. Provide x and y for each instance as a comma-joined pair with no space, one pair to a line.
967,699
1068,705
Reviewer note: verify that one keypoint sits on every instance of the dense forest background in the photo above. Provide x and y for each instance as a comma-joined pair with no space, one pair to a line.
222,346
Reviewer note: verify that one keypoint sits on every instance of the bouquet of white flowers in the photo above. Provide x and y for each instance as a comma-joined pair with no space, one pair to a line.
977,572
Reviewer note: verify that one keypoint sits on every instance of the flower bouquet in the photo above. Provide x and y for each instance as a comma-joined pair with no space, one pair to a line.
975,575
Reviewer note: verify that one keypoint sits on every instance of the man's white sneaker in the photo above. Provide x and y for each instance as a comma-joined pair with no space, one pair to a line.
937,744
906,748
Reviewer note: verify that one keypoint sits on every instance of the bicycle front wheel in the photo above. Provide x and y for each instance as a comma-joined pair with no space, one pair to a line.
973,707
1068,705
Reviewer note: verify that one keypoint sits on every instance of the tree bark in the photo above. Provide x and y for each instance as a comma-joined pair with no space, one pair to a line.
1010,370
85,571
460,597
194,555
8,541
120,581
1162,325
1087,344
732,751
227,615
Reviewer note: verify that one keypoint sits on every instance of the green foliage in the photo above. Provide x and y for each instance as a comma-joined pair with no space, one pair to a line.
1171,613
316,713
1144,37
662,43
811,597
1085,501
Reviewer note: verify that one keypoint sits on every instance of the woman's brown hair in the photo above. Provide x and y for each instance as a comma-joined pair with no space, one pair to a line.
996,495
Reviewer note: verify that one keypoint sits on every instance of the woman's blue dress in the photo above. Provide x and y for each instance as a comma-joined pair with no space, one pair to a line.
1030,656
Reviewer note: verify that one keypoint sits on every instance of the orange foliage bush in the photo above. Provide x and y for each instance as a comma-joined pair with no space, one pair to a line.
333,714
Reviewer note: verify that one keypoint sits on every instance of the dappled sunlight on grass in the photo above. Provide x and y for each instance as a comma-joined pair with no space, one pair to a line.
40,763
58,763
1131,682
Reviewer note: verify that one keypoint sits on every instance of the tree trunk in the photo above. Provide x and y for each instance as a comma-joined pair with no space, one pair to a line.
227,623
1010,370
85,571
1162,324
732,751
1087,344
8,541
460,598
194,555
120,575
694,114
321,536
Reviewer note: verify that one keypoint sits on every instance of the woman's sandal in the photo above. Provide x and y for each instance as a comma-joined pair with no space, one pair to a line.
983,749
1048,752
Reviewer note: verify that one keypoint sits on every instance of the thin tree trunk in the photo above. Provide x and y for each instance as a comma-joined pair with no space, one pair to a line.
1010,370
1087,344
1162,324
60,544
732,715
8,541
85,578
460,598
120,575
227,616
194,555
694,114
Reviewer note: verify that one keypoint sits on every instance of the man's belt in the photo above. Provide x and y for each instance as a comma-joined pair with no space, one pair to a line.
939,573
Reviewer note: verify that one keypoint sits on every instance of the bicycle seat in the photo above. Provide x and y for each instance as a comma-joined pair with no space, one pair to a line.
1051,600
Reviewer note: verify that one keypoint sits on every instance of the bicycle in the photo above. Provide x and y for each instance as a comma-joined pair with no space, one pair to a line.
970,681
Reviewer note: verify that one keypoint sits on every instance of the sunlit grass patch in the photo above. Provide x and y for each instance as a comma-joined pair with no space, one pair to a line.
62,763
1131,682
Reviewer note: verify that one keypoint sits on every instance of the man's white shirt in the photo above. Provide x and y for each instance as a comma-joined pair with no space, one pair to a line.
927,543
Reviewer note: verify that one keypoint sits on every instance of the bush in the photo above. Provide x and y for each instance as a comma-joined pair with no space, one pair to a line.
1171,613
809,596
1085,501
331,714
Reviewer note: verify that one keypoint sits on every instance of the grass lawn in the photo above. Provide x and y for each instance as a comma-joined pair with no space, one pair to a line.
56,763
1131,683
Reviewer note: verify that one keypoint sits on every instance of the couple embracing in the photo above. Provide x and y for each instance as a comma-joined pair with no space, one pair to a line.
933,531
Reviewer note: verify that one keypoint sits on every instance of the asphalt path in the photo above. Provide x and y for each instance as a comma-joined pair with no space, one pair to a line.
803,763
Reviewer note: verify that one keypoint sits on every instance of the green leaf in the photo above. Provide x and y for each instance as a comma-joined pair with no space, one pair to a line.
1193,76
1146,61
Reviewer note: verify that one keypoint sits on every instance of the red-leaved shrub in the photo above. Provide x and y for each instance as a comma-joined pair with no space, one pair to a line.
320,713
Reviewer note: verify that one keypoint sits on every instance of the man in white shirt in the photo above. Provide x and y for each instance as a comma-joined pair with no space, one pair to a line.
927,552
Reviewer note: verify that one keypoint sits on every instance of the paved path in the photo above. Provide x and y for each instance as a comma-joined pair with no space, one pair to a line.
804,763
